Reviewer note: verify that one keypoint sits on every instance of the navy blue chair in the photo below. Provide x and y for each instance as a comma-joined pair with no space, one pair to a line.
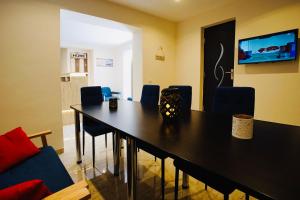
214,181
92,96
234,100
186,95
150,95
150,98
228,100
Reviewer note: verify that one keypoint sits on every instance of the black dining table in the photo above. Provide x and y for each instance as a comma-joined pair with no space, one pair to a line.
266,167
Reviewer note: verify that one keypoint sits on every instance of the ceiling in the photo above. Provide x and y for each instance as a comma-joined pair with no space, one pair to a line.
85,31
174,10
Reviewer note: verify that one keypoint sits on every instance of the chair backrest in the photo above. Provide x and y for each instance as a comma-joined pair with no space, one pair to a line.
150,95
91,95
186,95
234,100
106,92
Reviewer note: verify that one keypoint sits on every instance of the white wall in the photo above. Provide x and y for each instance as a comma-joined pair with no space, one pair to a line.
126,62
115,76
108,76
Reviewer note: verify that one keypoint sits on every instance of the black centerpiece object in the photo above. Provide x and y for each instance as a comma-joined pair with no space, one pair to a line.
170,104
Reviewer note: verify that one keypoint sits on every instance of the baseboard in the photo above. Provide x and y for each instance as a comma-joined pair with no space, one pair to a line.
60,151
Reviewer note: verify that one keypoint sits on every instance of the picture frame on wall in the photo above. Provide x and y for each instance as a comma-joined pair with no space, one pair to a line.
104,62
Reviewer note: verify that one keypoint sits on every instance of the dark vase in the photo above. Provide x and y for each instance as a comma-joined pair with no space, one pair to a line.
113,103
170,104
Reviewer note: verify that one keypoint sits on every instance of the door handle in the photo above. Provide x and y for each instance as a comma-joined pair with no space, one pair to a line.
231,73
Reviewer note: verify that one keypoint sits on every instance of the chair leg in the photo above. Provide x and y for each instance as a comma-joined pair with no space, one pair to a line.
162,178
113,140
93,146
137,168
205,186
176,183
226,197
105,140
83,141
155,158
247,197
121,146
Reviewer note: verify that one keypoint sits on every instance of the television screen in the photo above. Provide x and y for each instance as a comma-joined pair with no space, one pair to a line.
274,47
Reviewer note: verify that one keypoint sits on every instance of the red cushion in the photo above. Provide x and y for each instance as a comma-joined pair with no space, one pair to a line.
33,190
15,147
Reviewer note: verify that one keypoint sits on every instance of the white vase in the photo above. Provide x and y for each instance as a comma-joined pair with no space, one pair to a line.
242,126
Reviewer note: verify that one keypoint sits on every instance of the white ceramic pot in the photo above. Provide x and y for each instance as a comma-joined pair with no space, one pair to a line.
242,126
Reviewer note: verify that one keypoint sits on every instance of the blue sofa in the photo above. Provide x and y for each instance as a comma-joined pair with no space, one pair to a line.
45,165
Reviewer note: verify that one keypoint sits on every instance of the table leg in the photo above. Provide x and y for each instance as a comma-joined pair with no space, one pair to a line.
185,180
77,136
116,152
131,169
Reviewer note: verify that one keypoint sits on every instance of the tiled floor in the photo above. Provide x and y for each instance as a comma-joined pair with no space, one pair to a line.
103,185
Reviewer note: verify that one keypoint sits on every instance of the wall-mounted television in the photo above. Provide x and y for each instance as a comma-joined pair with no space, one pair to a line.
281,46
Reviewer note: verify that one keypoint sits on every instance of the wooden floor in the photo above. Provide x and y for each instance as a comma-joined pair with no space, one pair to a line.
103,185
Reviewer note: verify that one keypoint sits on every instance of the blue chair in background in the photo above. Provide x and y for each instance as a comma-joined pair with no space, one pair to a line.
186,95
234,100
107,93
92,96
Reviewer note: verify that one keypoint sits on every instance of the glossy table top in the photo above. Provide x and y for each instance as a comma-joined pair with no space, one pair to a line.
268,166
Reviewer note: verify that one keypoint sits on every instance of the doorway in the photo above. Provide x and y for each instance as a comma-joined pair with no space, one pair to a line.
97,52
218,60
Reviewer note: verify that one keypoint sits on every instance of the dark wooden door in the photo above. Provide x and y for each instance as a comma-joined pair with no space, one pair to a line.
218,60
